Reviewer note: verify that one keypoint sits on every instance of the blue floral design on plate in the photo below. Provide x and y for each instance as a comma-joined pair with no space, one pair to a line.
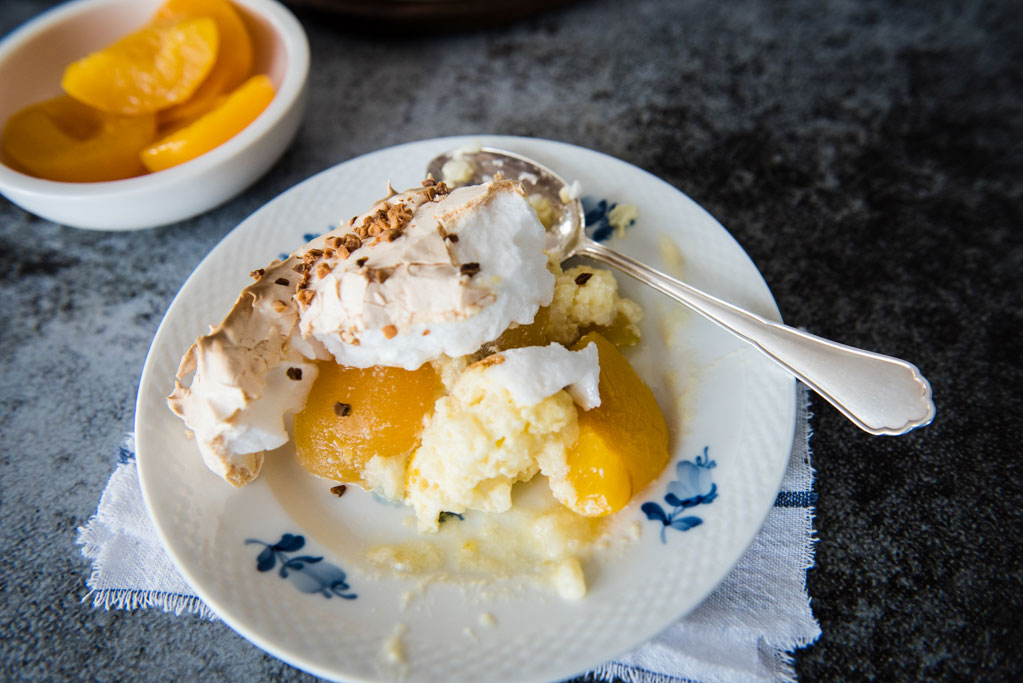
308,574
598,219
692,487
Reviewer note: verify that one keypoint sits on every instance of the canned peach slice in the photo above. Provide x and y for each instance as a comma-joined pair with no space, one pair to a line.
62,139
622,444
148,70
234,56
214,128
354,414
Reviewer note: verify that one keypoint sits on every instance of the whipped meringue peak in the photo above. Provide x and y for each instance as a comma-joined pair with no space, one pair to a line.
431,278
422,274
532,373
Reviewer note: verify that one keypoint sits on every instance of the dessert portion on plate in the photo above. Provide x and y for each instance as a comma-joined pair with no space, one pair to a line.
429,351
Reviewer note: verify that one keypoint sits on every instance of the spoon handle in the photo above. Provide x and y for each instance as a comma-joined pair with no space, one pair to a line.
880,394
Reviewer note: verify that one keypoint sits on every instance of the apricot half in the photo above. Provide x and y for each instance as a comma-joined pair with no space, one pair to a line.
354,414
622,444
62,139
234,56
213,129
148,70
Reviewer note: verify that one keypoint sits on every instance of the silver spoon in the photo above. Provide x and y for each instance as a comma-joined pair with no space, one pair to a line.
880,394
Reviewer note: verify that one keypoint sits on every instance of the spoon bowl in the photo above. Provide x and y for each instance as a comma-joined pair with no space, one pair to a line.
880,394
484,163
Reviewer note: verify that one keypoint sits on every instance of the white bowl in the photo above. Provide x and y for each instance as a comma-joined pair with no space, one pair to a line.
33,58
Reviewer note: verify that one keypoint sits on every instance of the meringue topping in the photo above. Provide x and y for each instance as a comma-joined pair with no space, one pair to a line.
532,373
422,274
417,291
248,372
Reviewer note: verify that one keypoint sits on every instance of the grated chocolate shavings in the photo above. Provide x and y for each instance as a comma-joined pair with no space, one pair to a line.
294,373
338,490
469,269
582,278
283,281
257,274
389,331
342,409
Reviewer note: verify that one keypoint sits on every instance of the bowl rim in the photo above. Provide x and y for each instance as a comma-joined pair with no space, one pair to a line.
284,25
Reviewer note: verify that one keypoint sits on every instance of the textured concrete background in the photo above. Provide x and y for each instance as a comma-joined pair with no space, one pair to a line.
867,155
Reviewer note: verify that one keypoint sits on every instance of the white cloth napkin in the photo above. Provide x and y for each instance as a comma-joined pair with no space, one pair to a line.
745,631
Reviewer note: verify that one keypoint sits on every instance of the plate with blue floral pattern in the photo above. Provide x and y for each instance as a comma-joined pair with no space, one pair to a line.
283,560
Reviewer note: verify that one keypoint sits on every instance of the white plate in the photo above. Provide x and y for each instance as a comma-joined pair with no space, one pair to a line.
739,411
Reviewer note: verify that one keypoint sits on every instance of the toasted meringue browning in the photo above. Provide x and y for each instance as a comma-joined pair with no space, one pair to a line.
247,373
406,276
395,287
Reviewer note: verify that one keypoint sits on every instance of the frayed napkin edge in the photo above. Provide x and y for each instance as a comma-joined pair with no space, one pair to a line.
130,599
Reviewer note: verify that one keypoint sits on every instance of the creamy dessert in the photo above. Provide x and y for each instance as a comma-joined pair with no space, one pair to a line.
395,287
429,352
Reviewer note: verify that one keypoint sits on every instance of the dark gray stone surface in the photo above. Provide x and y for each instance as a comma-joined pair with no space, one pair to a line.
867,154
